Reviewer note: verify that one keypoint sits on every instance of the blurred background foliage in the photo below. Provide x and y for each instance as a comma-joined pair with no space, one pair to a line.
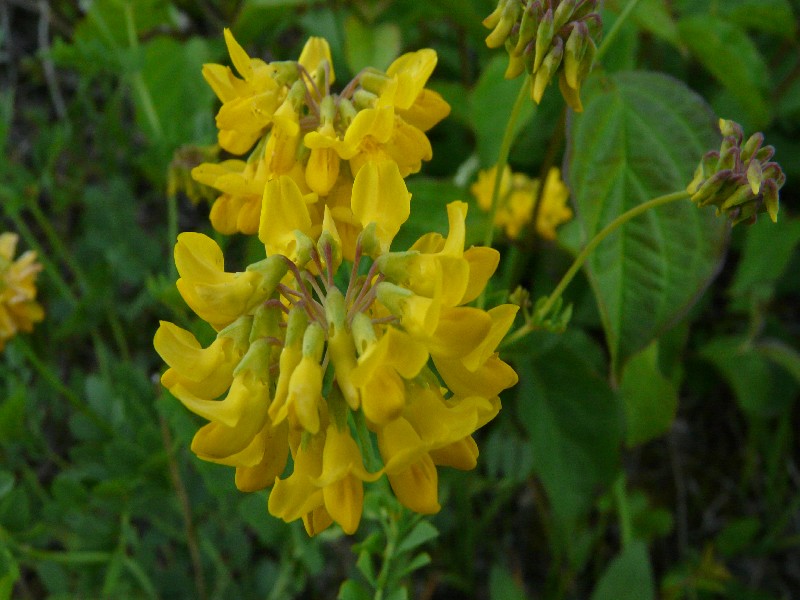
641,456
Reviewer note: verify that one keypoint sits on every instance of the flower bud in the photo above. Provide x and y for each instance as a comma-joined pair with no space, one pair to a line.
501,21
738,180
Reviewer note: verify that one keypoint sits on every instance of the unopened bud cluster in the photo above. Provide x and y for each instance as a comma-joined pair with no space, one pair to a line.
547,38
739,179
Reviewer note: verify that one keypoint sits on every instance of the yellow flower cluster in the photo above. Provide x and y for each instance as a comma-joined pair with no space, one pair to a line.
354,361
18,307
517,200
291,123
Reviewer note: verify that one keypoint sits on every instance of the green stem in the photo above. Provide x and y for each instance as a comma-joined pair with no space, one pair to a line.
388,557
623,511
614,31
502,159
584,254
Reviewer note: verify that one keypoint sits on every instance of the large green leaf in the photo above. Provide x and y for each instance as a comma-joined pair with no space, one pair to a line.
726,51
641,136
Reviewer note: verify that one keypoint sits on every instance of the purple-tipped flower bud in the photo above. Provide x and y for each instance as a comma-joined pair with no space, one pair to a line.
738,180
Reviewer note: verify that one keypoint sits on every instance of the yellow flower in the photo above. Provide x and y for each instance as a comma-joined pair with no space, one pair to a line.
406,363
298,127
18,307
553,210
517,199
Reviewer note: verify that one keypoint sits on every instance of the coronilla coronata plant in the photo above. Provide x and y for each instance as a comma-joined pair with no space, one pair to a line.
353,360
291,123
517,200
19,310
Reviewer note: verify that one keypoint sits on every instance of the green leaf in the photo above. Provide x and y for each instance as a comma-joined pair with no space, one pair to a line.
352,590
628,577
502,585
9,572
367,568
423,559
771,16
649,398
768,250
641,136
572,417
491,102
781,354
655,16
176,100
370,45
761,388
726,51
106,20
398,593
423,532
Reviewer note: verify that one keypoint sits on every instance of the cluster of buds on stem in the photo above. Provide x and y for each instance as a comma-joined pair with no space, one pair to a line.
545,38
739,179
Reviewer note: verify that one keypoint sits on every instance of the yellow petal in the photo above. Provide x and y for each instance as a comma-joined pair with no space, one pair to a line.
314,53
400,446
344,501
383,396
483,263
272,463
427,110
218,441
305,393
459,331
199,258
412,71
283,211
222,81
462,455
316,521
377,123
487,381
322,170
239,57
297,495
380,196
502,318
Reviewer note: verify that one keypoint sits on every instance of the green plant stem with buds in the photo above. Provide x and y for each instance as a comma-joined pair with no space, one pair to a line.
614,31
542,312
